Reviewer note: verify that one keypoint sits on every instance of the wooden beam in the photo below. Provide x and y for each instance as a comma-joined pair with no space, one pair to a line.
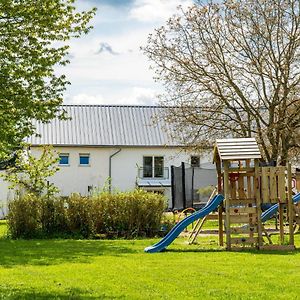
241,188
267,235
212,217
242,201
281,184
227,204
249,186
220,220
243,169
273,186
244,241
196,230
281,225
244,229
258,202
242,210
278,247
290,205
265,172
242,219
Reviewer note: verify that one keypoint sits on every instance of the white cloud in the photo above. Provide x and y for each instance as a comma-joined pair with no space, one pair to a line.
140,96
129,64
84,99
156,10
133,96
116,79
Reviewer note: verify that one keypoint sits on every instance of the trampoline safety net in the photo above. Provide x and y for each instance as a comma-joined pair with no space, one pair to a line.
191,186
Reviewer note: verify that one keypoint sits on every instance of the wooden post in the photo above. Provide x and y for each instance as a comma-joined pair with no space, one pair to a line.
297,181
221,206
227,204
258,202
290,205
249,195
249,187
220,218
281,227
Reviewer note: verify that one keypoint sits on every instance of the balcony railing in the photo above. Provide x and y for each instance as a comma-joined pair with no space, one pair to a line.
151,175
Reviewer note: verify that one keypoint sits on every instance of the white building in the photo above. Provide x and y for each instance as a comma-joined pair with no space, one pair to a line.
117,142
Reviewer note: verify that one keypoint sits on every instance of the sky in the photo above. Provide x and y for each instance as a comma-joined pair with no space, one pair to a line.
107,65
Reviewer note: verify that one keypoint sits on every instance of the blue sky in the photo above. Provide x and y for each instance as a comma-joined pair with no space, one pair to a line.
107,66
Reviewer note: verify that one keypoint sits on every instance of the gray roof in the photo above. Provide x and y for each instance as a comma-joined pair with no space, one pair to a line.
237,149
105,125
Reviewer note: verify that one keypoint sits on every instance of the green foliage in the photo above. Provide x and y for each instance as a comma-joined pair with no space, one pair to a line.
24,216
167,223
128,214
206,191
34,38
31,173
80,213
53,218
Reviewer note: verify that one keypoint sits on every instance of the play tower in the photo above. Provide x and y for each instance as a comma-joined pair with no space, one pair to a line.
246,186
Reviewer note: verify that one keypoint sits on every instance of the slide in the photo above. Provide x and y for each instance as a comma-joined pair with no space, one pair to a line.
269,213
179,227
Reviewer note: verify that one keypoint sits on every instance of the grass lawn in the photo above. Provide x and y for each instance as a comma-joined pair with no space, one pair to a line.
119,269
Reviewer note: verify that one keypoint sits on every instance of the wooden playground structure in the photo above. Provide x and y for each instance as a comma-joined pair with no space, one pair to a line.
247,186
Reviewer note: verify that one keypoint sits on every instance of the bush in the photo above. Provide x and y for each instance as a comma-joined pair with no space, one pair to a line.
80,215
128,214
53,216
24,216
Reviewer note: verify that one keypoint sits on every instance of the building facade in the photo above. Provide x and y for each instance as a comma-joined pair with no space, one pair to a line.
117,147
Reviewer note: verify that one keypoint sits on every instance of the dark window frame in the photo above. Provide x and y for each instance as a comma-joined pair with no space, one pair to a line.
197,163
154,168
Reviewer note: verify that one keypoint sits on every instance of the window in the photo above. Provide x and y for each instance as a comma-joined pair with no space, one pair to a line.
84,159
64,159
195,161
153,167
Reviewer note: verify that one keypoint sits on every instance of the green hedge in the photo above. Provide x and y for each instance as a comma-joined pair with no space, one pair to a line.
127,214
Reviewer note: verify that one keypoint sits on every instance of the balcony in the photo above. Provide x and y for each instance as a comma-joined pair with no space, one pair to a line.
161,178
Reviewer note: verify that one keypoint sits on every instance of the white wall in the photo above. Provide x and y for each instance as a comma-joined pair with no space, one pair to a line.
124,168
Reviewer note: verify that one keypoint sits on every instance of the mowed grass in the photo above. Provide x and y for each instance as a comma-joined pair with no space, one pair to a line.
119,269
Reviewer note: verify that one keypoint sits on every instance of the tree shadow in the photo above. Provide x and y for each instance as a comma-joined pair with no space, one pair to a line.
68,294
242,251
57,251
198,250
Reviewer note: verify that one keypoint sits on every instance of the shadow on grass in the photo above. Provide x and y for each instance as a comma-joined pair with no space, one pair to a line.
57,251
70,294
202,250
245,251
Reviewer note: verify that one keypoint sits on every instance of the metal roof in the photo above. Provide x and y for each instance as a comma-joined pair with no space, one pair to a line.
105,125
237,149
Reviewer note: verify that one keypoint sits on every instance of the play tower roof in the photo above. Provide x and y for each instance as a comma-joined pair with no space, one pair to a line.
236,149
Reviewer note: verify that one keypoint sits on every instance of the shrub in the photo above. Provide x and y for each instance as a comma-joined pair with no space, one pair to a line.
24,216
127,214
53,216
79,215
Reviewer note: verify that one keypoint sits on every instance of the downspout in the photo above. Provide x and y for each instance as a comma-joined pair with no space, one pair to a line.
109,168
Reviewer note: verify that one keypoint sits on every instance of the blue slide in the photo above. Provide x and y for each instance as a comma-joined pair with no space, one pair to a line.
269,213
179,227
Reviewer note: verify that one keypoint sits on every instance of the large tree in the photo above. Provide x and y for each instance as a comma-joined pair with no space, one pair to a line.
34,37
232,69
